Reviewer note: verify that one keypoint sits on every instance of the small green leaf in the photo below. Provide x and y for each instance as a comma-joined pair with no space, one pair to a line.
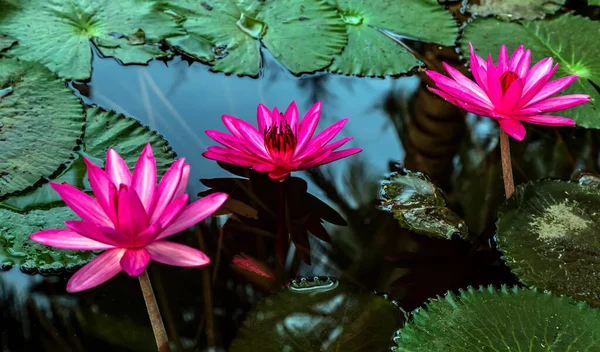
420,206
575,53
548,232
371,53
42,208
510,10
303,36
58,33
594,2
320,315
40,123
509,319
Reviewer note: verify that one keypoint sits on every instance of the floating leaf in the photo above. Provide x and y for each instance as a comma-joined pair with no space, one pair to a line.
40,123
509,319
320,315
508,10
301,35
420,206
370,52
6,41
548,232
594,2
42,208
575,53
58,33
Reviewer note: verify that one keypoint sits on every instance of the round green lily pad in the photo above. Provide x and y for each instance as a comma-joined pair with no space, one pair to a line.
40,123
58,33
42,208
302,35
510,10
370,52
549,232
508,319
574,50
320,314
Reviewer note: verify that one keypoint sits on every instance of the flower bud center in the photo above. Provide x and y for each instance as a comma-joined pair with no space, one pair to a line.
507,79
280,140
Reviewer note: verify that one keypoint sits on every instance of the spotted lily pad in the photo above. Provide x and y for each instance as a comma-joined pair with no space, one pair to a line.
549,234
301,35
42,208
370,52
321,314
58,33
508,319
40,123
509,10
575,53
420,206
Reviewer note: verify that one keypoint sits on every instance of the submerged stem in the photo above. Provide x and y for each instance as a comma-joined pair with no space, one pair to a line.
507,174
281,238
158,327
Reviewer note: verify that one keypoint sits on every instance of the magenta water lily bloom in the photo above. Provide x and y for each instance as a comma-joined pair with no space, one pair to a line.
130,218
510,92
281,144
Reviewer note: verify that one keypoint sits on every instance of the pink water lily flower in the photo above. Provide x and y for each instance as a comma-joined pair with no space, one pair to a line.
130,218
510,92
281,144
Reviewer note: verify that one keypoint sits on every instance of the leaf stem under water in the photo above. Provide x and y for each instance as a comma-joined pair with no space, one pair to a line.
507,174
158,327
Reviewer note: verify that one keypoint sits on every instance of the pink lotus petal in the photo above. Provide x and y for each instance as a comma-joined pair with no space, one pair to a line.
503,59
470,108
291,116
538,86
253,266
515,59
143,180
135,261
177,254
550,89
120,239
228,141
263,117
340,155
263,167
99,270
183,182
104,189
81,204
247,132
172,211
494,85
194,213
308,125
91,231
166,188
467,84
478,69
117,168
321,139
523,66
547,120
514,128
457,90
335,145
67,240
147,236
510,99
537,72
132,215
228,159
560,102
279,175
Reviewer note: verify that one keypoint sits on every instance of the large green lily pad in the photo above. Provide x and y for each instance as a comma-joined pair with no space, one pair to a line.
549,234
510,10
58,33
42,208
40,123
509,319
320,315
574,50
370,52
302,35
420,206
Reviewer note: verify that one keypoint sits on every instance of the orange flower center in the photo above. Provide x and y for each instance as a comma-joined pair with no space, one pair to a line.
280,140
507,79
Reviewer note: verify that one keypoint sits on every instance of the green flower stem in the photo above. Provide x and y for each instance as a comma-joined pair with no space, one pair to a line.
507,174
158,327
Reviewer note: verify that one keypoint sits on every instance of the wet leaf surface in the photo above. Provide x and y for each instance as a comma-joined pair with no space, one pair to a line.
548,232
510,10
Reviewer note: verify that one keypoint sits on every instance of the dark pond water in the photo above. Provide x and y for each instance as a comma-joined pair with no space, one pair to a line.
396,122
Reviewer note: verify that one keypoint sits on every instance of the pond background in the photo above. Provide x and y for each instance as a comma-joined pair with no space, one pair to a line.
203,308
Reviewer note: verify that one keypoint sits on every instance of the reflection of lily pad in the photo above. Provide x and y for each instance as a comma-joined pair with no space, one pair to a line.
302,35
548,232
516,9
58,33
574,50
40,123
420,206
501,320
371,53
42,208
320,315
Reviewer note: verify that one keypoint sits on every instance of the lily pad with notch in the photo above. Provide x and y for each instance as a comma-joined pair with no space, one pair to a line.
320,314
41,122
505,319
420,206
42,208
548,233
302,35
575,53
